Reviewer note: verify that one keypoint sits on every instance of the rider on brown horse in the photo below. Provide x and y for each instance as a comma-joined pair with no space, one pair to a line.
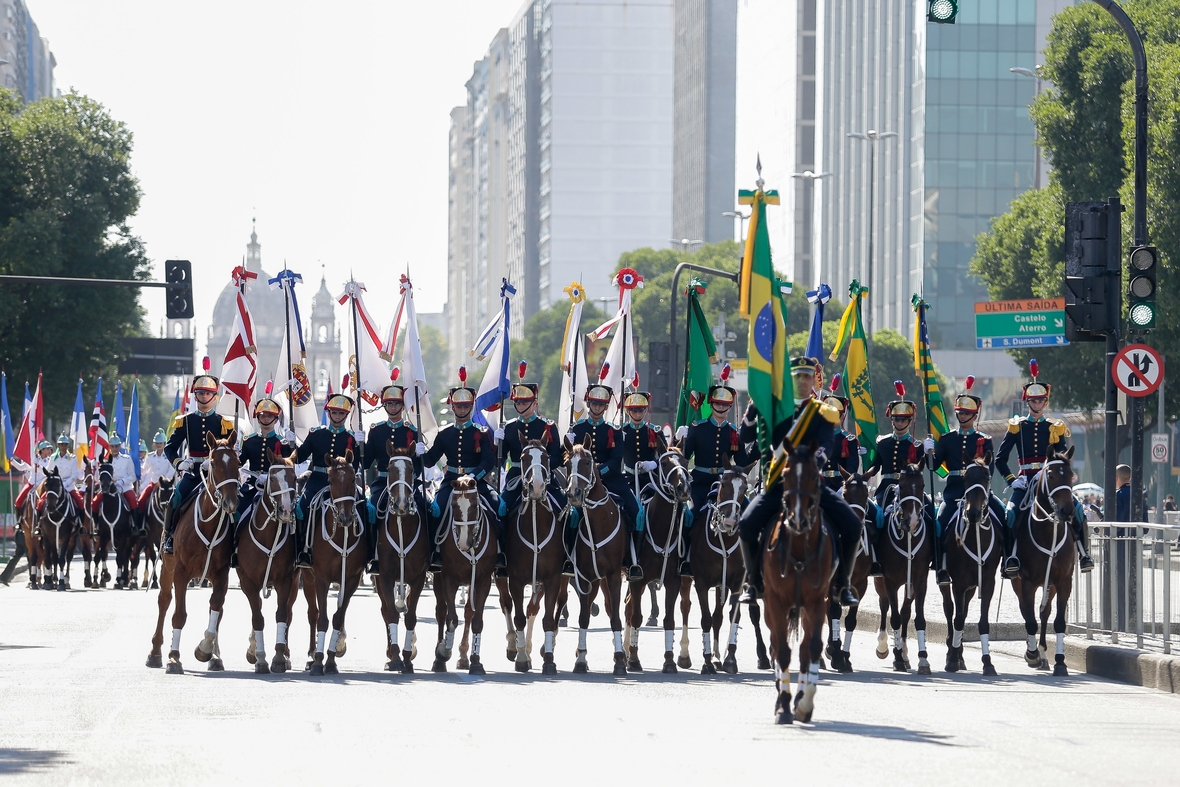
955,451
897,451
191,429
813,421
322,446
404,435
1035,438
255,458
69,471
846,456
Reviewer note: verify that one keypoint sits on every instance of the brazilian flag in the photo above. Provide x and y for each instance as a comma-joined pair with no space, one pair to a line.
856,370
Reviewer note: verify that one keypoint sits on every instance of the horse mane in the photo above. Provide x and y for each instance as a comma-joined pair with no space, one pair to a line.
283,461
675,449
912,471
401,452
535,444
464,483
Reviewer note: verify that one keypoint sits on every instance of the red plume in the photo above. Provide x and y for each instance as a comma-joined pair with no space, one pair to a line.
635,381
899,386
521,369
463,375
270,386
970,381
205,363
1033,367
835,384
394,373
602,373
344,383
725,372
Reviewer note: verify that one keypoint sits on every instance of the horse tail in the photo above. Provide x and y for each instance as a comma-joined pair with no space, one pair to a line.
793,619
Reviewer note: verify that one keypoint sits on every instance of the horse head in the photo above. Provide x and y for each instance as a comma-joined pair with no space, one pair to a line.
911,498
581,471
731,498
280,485
801,488
399,480
976,482
221,472
57,499
1056,479
672,476
466,514
342,487
856,490
534,470
106,477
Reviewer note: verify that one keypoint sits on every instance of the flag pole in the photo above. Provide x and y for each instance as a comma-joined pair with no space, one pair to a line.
503,360
623,370
356,384
418,466
287,335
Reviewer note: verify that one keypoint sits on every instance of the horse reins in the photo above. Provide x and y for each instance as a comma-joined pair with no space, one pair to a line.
280,520
398,483
676,526
215,495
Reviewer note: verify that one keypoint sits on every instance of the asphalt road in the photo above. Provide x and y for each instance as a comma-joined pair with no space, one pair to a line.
80,707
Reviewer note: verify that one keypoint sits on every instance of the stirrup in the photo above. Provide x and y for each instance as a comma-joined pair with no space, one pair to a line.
1011,566
848,597
943,577
635,574
1085,563
567,569
303,560
372,567
875,570
166,544
685,569
233,559
435,561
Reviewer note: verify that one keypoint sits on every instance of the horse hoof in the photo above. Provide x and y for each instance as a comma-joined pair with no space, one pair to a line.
581,668
805,717
900,666
729,666
395,665
308,665
133,585
708,668
510,655
669,668
634,666
62,585
341,648
952,665
477,669
962,665
882,654
783,716
620,668
549,668
1043,666
521,666
409,668
216,665
652,622
563,623
262,668
462,663
86,582
317,670
438,666
845,661
923,668
684,662
989,670
155,661
201,655
250,657
174,668
331,669
279,663
1060,671
1032,658
822,665
155,585
763,662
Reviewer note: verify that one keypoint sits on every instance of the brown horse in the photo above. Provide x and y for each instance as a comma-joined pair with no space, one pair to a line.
118,520
718,564
856,494
659,555
468,548
403,551
535,552
266,559
599,549
30,529
203,542
1044,542
153,522
58,522
797,563
973,554
905,556
338,555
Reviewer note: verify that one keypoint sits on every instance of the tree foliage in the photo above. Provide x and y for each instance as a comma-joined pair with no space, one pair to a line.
66,194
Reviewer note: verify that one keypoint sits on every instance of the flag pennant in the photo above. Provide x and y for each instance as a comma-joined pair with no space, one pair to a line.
815,340
30,428
239,369
292,384
936,421
496,384
117,412
9,440
133,430
856,370
367,370
78,427
417,394
98,426
573,362
620,356
700,355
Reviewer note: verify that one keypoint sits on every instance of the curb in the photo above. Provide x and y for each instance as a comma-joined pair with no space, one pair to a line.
1126,665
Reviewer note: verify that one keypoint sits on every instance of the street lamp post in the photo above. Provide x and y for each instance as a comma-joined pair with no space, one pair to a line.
1033,74
812,177
871,136
686,243
744,217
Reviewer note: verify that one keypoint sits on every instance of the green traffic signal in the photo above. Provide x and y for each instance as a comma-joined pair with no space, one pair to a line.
942,12
1143,269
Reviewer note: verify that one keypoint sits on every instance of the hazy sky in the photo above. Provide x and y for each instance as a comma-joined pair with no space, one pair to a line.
325,120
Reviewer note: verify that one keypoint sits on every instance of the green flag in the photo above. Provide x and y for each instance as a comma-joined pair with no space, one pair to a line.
924,366
856,370
700,354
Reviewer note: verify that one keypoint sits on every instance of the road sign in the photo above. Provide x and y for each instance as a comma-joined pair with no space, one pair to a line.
1159,448
1138,370
1031,322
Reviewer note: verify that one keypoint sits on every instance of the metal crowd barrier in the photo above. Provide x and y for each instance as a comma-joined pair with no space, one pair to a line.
1131,591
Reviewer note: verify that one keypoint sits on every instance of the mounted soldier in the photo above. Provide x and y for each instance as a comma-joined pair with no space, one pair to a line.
34,472
155,466
519,432
123,469
319,449
900,449
643,444
606,445
1034,438
714,445
255,457
813,421
401,434
956,451
191,431
468,449
67,468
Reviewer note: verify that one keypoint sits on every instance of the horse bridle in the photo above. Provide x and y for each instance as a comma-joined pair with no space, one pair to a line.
537,466
715,515
664,477
1042,485
63,494
271,496
812,509
399,483
335,502
575,475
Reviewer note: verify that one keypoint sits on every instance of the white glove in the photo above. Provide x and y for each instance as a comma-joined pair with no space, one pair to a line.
359,436
499,434
821,458
185,465
681,432
647,467
573,438
1020,482
419,449
289,437
862,450
928,444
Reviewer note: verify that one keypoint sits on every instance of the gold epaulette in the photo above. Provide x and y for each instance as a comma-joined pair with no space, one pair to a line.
178,422
227,424
830,414
1014,424
1057,430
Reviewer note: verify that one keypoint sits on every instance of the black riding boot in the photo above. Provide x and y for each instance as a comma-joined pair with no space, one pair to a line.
635,571
843,576
1081,533
435,552
302,553
501,554
371,535
569,536
169,529
941,575
685,544
1011,562
752,556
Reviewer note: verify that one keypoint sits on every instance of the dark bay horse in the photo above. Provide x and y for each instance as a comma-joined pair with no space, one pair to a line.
468,548
973,554
856,494
338,555
31,530
717,564
1044,542
153,522
535,554
202,545
798,561
599,549
266,559
403,551
118,520
659,555
58,524
905,556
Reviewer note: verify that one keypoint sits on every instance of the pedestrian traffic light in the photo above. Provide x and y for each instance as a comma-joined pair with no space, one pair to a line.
1141,302
942,12
179,275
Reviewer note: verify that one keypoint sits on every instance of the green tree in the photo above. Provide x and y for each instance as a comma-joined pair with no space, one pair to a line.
66,195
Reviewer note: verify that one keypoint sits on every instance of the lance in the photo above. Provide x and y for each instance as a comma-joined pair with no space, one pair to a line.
356,383
287,327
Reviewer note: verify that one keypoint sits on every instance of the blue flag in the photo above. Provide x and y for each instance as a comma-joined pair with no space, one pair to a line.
9,437
815,340
28,401
496,386
117,412
133,430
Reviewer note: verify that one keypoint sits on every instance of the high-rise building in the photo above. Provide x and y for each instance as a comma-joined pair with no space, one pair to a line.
30,65
705,88
561,159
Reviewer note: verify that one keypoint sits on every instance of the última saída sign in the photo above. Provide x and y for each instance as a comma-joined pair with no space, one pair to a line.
1030,322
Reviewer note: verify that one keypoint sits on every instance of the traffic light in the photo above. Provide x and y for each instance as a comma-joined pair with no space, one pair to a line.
1092,265
1142,270
180,297
942,12
660,370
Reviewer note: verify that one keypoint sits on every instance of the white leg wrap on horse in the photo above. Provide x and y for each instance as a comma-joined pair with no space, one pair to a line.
475,638
259,645
618,641
320,636
581,639
956,638
449,638
176,639
814,678
280,634
897,638
634,638
1032,643
847,640
669,640
335,639
733,632
1060,644
835,629
393,634
708,638
409,640
549,642
520,640
214,615
922,639
983,646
